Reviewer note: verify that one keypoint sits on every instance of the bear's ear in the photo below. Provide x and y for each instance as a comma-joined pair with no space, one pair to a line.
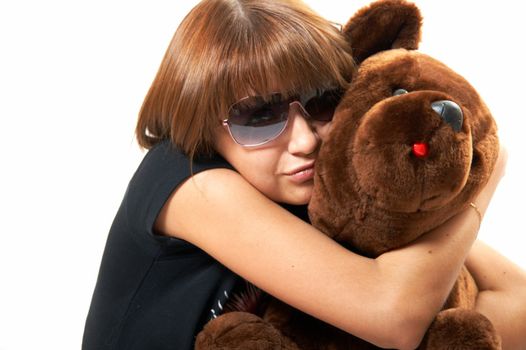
383,25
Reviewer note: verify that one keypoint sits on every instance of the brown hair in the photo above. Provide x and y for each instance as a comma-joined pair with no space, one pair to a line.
226,49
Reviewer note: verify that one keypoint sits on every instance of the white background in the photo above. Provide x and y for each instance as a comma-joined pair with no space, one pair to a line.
72,78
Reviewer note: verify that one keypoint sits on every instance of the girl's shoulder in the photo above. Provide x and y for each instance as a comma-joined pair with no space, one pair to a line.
165,159
163,169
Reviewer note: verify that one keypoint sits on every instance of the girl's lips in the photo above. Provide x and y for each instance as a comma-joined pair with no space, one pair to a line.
303,175
301,168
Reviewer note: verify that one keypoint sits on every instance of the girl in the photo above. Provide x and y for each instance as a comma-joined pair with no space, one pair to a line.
233,122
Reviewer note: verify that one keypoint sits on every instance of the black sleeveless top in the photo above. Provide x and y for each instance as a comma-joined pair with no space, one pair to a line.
156,292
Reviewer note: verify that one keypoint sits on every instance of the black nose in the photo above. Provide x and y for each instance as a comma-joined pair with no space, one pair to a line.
450,112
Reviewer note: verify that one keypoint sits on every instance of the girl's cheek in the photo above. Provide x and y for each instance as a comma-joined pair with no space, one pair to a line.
322,129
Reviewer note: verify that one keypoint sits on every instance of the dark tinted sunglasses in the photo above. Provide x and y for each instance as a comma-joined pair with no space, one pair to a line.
256,120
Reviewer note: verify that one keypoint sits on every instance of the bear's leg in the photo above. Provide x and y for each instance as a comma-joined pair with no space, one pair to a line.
461,329
240,331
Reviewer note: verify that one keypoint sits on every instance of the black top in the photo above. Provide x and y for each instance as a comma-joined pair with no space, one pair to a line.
155,292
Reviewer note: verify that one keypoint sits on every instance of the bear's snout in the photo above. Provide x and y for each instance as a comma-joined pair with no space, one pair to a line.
400,177
451,113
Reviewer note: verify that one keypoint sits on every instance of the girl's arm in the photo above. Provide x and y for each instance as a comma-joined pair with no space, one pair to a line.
389,301
502,284
502,296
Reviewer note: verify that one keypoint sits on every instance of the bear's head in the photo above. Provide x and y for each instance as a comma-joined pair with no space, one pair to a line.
411,143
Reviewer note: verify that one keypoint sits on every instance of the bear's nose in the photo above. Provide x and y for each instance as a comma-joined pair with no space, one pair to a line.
450,112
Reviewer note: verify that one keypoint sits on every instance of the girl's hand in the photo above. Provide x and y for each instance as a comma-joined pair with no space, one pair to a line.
502,293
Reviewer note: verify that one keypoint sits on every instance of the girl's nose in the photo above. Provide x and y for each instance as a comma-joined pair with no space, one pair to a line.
303,137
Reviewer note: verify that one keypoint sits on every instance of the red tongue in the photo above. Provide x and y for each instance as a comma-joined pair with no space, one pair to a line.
420,150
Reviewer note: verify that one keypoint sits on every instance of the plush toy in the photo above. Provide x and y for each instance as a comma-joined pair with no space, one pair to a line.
411,145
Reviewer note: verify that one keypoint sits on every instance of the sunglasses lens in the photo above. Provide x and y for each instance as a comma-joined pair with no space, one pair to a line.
321,108
254,121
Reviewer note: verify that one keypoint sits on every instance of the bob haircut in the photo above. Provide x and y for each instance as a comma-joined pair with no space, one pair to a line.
224,50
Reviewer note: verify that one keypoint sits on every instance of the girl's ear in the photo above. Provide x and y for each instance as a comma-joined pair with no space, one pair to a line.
383,25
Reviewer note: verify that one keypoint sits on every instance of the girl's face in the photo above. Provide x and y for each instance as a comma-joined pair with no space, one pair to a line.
282,169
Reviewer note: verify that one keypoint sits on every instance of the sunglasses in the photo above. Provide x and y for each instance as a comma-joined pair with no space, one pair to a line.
256,120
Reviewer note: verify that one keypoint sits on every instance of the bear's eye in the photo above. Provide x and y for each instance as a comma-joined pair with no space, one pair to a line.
399,92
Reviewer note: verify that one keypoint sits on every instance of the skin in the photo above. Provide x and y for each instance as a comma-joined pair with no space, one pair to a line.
503,293
257,239
270,174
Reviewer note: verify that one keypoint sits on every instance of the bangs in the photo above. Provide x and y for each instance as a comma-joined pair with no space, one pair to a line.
271,55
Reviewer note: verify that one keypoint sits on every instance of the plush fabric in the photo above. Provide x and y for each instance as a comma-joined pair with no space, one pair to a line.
373,193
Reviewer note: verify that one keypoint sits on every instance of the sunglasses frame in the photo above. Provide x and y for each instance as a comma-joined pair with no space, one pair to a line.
300,100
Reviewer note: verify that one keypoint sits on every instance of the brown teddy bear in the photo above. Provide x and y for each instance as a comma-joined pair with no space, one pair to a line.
411,145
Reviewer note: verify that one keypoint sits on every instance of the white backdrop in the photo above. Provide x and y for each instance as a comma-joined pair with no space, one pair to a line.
72,78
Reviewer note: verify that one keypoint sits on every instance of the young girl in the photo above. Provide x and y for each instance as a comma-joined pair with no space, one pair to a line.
233,122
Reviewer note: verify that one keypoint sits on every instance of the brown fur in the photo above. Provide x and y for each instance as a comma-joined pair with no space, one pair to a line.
385,197
373,195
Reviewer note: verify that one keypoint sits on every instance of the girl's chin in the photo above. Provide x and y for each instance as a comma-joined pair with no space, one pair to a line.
291,193
299,197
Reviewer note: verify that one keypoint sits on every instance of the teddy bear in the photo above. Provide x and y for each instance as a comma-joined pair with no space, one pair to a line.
411,145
